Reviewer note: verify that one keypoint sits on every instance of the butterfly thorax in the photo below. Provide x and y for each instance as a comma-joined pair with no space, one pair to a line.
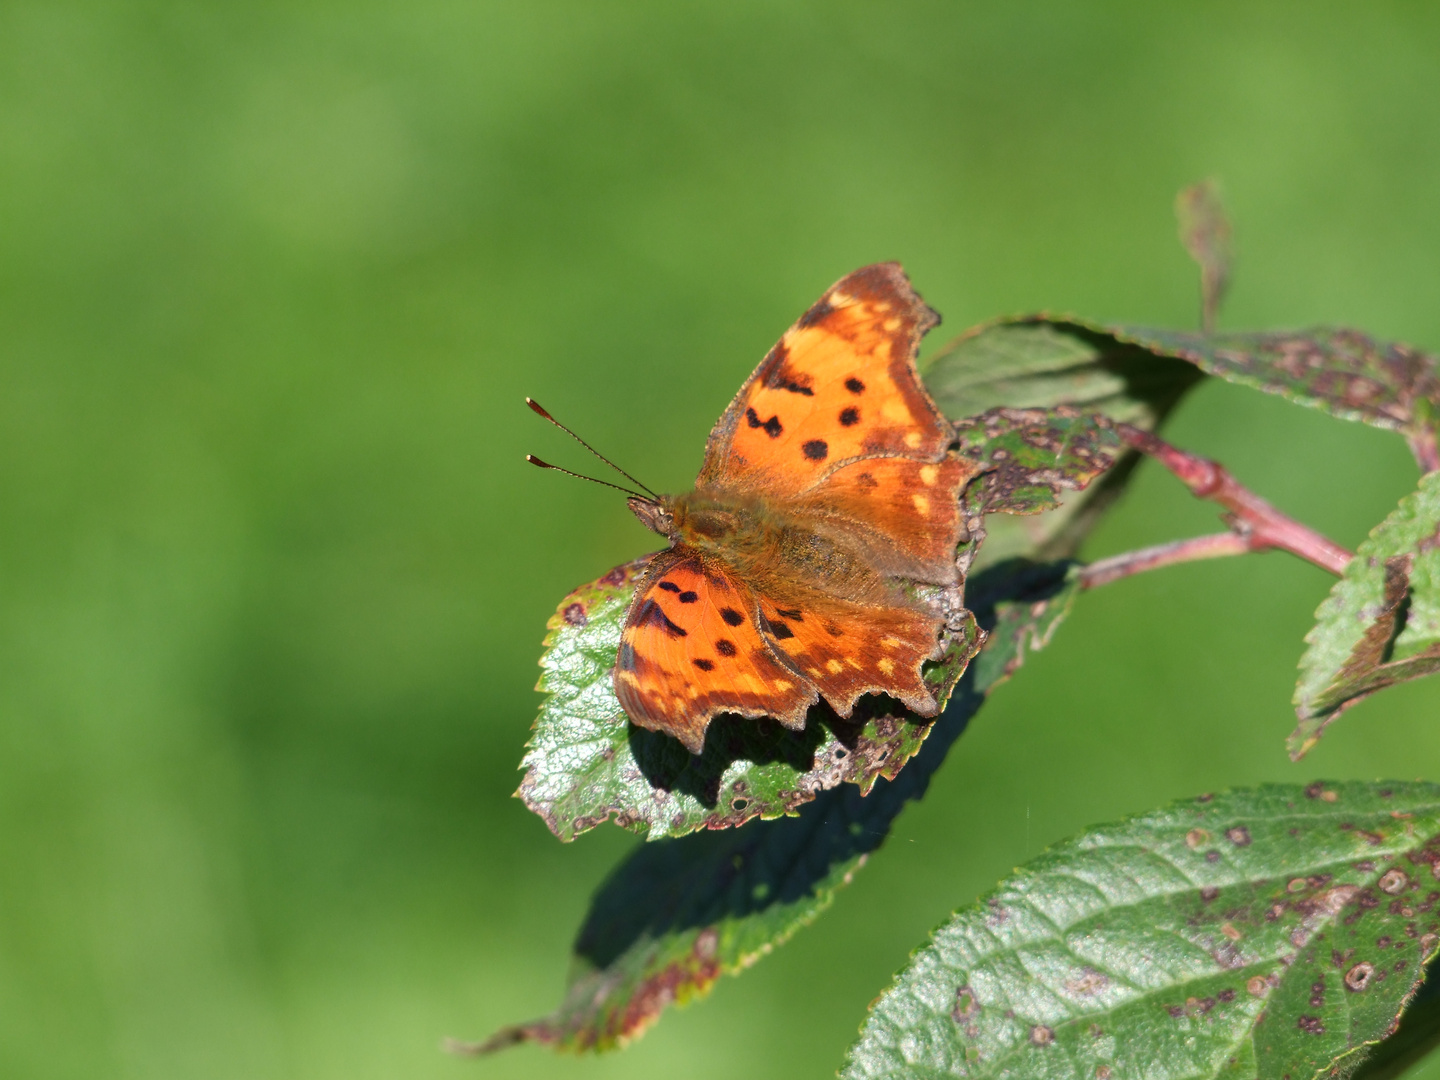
757,539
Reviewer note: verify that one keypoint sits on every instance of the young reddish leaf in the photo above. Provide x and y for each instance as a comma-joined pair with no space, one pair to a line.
1033,456
677,914
1205,232
1269,933
587,763
1380,625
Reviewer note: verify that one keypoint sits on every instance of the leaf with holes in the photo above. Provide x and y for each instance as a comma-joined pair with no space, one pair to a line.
587,763
1031,457
1267,933
1036,363
1380,625
677,914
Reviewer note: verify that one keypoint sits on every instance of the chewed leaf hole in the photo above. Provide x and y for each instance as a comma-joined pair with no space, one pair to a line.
739,804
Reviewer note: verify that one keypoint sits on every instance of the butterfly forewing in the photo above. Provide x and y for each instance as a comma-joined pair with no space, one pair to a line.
840,384
691,649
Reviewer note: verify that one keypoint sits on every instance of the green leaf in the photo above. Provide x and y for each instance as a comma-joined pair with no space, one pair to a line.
1039,363
1380,625
1033,456
1269,933
677,914
586,762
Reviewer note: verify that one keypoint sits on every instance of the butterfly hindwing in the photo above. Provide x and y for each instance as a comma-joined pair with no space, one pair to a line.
849,649
841,384
691,648
905,512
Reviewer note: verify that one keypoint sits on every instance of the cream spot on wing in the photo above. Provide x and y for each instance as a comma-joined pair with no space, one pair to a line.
928,473
812,671
891,325
834,666
886,665
628,678
922,504
851,661
895,411
752,684
912,439
840,299
781,684
694,693
891,642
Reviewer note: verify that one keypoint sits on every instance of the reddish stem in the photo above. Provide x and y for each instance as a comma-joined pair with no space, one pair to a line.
1423,446
1215,546
1253,520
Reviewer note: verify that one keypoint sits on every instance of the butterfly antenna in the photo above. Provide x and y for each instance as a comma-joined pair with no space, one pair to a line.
539,410
579,476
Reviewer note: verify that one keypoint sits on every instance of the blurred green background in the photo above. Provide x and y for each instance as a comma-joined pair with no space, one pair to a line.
274,279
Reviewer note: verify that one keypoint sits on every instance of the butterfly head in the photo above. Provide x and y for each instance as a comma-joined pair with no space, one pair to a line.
657,514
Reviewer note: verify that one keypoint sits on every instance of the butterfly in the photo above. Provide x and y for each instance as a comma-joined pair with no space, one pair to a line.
827,483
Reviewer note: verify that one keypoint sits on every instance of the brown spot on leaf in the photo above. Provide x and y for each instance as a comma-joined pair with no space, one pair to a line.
575,614
1258,986
1208,893
1041,1035
965,1005
1239,835
1195,837
1311,1025
1393,881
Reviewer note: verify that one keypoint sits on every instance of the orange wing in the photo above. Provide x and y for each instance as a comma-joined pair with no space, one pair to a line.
848,649
692,648
840,385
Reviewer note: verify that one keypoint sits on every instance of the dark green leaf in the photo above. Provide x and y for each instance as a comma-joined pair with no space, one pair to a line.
1036,363
677,914
1270,933
1417,1037
1380,625
1033,456
587,763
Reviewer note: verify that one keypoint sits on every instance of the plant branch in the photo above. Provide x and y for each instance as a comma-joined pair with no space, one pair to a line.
1215,546
1423,446
1254,523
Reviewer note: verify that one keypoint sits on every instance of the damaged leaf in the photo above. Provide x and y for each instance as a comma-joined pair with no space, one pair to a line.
1268,933
587,763
1031,457
1039,364
1380,625
1341,371
677,914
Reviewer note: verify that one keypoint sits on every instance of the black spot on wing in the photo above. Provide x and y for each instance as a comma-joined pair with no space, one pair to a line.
703,664
731,616
625,659
669,586
725,648
650,613
780,631
833,630
772,426
816,449
849,417
688,597
793,615
854,385
866,481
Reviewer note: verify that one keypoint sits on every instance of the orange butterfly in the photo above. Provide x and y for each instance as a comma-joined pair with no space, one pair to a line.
825,484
